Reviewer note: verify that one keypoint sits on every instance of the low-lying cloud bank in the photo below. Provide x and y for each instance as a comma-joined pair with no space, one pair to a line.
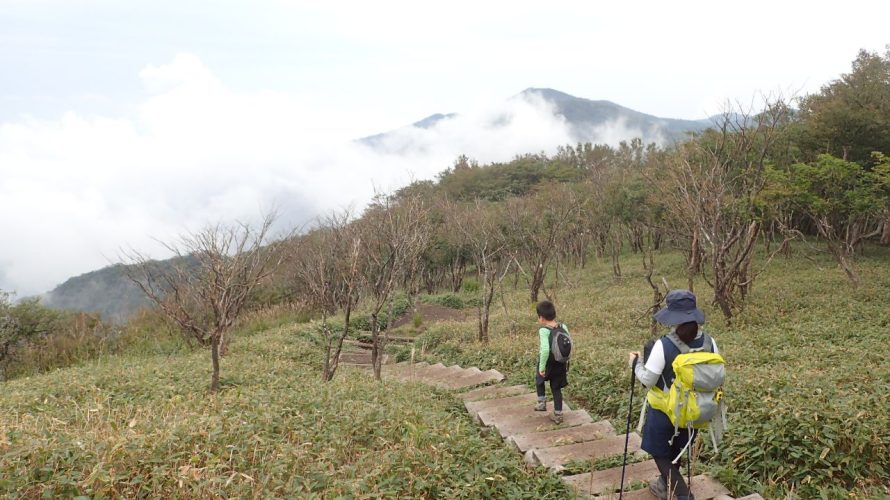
73,191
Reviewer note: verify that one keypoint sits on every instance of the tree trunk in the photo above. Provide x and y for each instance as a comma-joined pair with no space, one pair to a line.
582,255
485,317
485,308
845,264
375,344
602,242
885,232
723,300
537,281
214,356
328,346
457,274
381,350
785,249
616,254
840,254
223,345
335,357
326,368
694,266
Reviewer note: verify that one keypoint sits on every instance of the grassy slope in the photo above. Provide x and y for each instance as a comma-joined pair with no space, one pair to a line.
144,425
815,427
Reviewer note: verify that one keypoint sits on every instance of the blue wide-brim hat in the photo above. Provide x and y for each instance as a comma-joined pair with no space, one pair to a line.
680,309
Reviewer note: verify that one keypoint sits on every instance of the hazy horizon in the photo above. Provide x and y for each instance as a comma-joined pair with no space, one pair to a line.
121,123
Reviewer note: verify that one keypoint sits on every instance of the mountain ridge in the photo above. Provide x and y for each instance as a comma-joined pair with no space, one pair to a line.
108,291
583,116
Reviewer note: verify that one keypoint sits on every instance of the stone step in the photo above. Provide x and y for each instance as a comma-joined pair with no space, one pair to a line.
707,487
426,367
403,367
523,399
495,416
561,437
541,422
703,488
463,373
433,376
475,379
360,357
406,366
409,372
607,481
556,457
420,371
360,366
493,392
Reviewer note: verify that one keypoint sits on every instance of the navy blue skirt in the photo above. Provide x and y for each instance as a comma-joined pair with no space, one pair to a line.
657,433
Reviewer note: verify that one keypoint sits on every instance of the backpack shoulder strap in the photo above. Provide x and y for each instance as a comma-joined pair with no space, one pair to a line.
708,345
679,344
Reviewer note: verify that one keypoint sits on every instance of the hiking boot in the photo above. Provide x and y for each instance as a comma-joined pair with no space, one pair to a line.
556,417
541,406
658,488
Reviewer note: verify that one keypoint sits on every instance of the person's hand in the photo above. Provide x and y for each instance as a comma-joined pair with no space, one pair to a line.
543,374
633,355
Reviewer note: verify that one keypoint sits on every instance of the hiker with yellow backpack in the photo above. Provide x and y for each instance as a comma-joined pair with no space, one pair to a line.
684,373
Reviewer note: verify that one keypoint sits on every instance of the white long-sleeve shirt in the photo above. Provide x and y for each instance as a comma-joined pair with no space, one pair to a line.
648,375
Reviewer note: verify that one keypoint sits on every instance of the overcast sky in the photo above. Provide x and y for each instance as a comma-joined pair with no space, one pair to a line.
121,121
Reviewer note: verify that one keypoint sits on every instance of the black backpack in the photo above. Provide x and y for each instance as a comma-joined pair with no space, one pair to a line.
560,344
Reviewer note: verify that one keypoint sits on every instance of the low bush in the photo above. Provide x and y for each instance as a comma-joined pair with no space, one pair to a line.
470,285
450,300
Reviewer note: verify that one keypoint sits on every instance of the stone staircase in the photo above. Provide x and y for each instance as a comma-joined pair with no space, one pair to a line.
508,410
447,377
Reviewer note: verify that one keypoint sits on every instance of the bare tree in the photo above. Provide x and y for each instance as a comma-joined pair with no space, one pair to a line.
657,294
482,226
397,232
327,267
204,288
444,262
711,186
536,226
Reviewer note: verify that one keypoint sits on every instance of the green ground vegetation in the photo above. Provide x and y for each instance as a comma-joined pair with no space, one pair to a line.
809,371
808,392
144,426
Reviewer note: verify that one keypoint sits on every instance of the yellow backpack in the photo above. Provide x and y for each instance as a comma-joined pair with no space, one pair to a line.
695,397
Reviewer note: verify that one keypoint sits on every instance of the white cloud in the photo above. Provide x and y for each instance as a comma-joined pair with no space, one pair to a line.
74,190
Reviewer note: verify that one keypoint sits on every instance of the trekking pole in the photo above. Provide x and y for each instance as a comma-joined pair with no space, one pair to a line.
633,381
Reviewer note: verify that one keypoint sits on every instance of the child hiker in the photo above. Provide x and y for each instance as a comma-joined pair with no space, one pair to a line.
553,354
662,439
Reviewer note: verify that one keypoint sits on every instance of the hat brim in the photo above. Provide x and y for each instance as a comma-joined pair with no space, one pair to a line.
673,318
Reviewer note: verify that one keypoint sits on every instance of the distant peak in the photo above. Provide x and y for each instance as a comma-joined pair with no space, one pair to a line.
546,92
562,98
431,120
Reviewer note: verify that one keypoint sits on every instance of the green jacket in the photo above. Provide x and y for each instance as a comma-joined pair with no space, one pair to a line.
544,351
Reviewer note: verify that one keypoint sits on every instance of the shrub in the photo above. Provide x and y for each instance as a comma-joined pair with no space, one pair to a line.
470,285
450,300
